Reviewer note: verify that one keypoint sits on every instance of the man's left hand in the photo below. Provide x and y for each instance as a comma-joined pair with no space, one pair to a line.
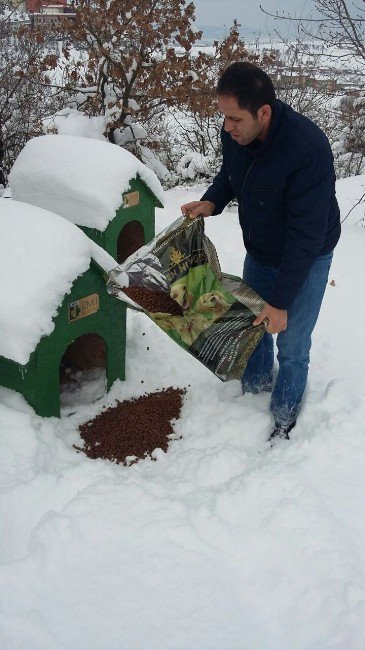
278,319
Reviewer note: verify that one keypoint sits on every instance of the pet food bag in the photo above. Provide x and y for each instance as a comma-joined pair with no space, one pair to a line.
177,281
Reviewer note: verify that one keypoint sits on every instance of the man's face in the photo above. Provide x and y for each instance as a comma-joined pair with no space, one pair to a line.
240,124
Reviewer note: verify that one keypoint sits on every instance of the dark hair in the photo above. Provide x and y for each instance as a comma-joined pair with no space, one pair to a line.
250,85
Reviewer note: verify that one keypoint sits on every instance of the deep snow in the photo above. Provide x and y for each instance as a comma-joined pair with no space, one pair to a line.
218,545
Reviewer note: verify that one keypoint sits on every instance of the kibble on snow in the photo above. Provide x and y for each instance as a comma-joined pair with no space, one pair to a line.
133,428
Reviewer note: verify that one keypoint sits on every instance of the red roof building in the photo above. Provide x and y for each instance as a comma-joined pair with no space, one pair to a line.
36,6
49,12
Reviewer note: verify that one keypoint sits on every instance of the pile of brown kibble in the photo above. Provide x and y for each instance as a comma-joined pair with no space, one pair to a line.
134,427
153,301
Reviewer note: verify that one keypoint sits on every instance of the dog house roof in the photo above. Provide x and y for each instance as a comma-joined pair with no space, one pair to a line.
81,179
41,254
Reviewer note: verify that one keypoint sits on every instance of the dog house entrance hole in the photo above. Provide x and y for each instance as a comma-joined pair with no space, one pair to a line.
83,370
130,239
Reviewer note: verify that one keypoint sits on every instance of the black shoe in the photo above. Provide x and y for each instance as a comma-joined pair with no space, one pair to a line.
281,431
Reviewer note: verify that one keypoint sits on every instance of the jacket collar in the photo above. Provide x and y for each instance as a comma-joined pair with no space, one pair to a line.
257,148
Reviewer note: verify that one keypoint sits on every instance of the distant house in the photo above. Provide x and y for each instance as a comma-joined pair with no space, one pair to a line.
36,6
283,81
43,12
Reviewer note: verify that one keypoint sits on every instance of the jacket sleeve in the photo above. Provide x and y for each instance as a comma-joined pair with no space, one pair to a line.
309,194
220,192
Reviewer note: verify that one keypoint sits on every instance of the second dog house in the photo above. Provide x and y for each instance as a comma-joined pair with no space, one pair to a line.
96,185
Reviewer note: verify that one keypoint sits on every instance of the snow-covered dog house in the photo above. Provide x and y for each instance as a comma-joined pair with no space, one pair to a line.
53,294
97,185
111,196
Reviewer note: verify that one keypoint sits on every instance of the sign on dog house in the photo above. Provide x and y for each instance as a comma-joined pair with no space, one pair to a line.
55,312
96,185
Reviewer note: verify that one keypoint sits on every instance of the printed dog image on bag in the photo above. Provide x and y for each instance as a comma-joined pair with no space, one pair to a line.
213,303
187,327
181,294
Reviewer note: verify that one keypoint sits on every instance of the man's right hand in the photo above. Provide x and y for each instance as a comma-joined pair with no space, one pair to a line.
198,209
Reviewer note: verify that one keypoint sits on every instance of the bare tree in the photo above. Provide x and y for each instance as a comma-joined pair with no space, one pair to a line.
128,66
339,23
23,68
350,145
135,66
334,34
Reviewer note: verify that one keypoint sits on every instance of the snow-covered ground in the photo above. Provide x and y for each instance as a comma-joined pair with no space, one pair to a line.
218,545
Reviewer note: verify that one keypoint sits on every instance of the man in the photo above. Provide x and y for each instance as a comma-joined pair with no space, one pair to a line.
279,166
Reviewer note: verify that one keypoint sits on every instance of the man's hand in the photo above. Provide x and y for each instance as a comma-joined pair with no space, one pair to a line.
277,318
198,209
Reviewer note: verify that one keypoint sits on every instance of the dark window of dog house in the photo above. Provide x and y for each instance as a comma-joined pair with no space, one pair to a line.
130,239
83,370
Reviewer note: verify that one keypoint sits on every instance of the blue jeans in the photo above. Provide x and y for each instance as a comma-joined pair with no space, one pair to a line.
293,344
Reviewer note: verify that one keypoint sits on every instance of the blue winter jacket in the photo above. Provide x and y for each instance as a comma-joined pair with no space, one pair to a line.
285,187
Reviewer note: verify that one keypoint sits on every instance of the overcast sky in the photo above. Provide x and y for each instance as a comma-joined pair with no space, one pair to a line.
247,12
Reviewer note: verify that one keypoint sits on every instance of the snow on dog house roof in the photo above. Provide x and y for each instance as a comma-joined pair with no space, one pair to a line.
81,179
41,254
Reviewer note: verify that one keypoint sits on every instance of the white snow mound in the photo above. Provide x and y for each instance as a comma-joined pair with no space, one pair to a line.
81,179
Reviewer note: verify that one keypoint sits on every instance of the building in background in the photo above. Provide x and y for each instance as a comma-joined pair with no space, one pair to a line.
49,12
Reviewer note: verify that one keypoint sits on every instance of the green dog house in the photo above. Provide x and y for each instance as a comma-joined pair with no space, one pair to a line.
79,326
133,224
